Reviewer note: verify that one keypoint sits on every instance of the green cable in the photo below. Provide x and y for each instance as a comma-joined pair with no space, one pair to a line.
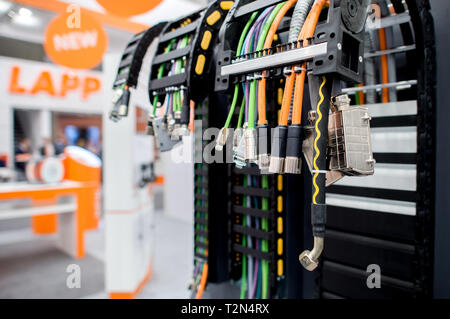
233,106
244,276
245,31
265,244
160,74
261,40
239,48
241,113
177,95
356,97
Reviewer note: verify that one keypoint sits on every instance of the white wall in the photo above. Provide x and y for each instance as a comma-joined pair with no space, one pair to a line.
178,182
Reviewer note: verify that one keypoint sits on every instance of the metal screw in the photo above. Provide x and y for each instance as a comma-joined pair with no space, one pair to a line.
360,59
339,46
312,116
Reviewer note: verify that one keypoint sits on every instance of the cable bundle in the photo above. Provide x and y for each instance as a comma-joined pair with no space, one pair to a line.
173,100
253,142
255,271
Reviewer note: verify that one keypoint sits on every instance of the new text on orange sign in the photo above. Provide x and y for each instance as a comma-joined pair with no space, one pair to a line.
78,47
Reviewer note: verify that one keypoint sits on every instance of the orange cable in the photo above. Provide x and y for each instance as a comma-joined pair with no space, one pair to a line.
362,99
298,97
202,282
287,96
191,116
384,65
306,33
267,44
384,60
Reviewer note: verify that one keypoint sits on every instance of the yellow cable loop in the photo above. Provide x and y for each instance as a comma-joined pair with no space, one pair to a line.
324,80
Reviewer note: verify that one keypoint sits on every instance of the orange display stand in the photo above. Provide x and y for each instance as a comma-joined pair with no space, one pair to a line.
84,193
82,166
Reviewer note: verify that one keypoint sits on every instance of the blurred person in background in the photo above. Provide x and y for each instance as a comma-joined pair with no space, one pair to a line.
82,142
48,148
22,154
60,144
93,148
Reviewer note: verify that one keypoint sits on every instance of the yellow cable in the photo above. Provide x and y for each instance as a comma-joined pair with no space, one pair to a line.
324,80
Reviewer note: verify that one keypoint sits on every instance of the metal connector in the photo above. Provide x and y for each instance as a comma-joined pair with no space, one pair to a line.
278,150
239,154
250,145
293,161
237,135
264,163
350,148
123,110
312,115
113,115
165,143
175,135
293,165
150,129
179,131
115,109
341,102
310,259
221,139
117,96
170,124
276,165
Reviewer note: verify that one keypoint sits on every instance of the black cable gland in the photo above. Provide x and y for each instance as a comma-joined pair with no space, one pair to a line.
263,132
294,141
279,141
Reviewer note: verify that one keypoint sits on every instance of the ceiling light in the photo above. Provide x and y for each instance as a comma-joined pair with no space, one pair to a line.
5,6
24,17
24,12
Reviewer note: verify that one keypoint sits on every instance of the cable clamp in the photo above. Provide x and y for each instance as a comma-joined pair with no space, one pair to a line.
258,76
298,69
287,71
320,171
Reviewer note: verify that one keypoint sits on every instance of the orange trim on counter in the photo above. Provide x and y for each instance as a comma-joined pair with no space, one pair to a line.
45,224
133,294
84,192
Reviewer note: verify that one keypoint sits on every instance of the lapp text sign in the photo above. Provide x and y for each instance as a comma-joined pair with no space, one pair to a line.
51,84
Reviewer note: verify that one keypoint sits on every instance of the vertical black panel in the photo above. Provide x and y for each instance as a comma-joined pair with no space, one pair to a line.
440,9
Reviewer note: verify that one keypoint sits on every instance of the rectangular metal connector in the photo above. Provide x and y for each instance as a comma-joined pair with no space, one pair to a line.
349,141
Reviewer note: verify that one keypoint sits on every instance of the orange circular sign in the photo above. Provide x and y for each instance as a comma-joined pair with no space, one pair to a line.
77,42
128,8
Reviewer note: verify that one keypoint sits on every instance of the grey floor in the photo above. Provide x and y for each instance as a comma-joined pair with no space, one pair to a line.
32,267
